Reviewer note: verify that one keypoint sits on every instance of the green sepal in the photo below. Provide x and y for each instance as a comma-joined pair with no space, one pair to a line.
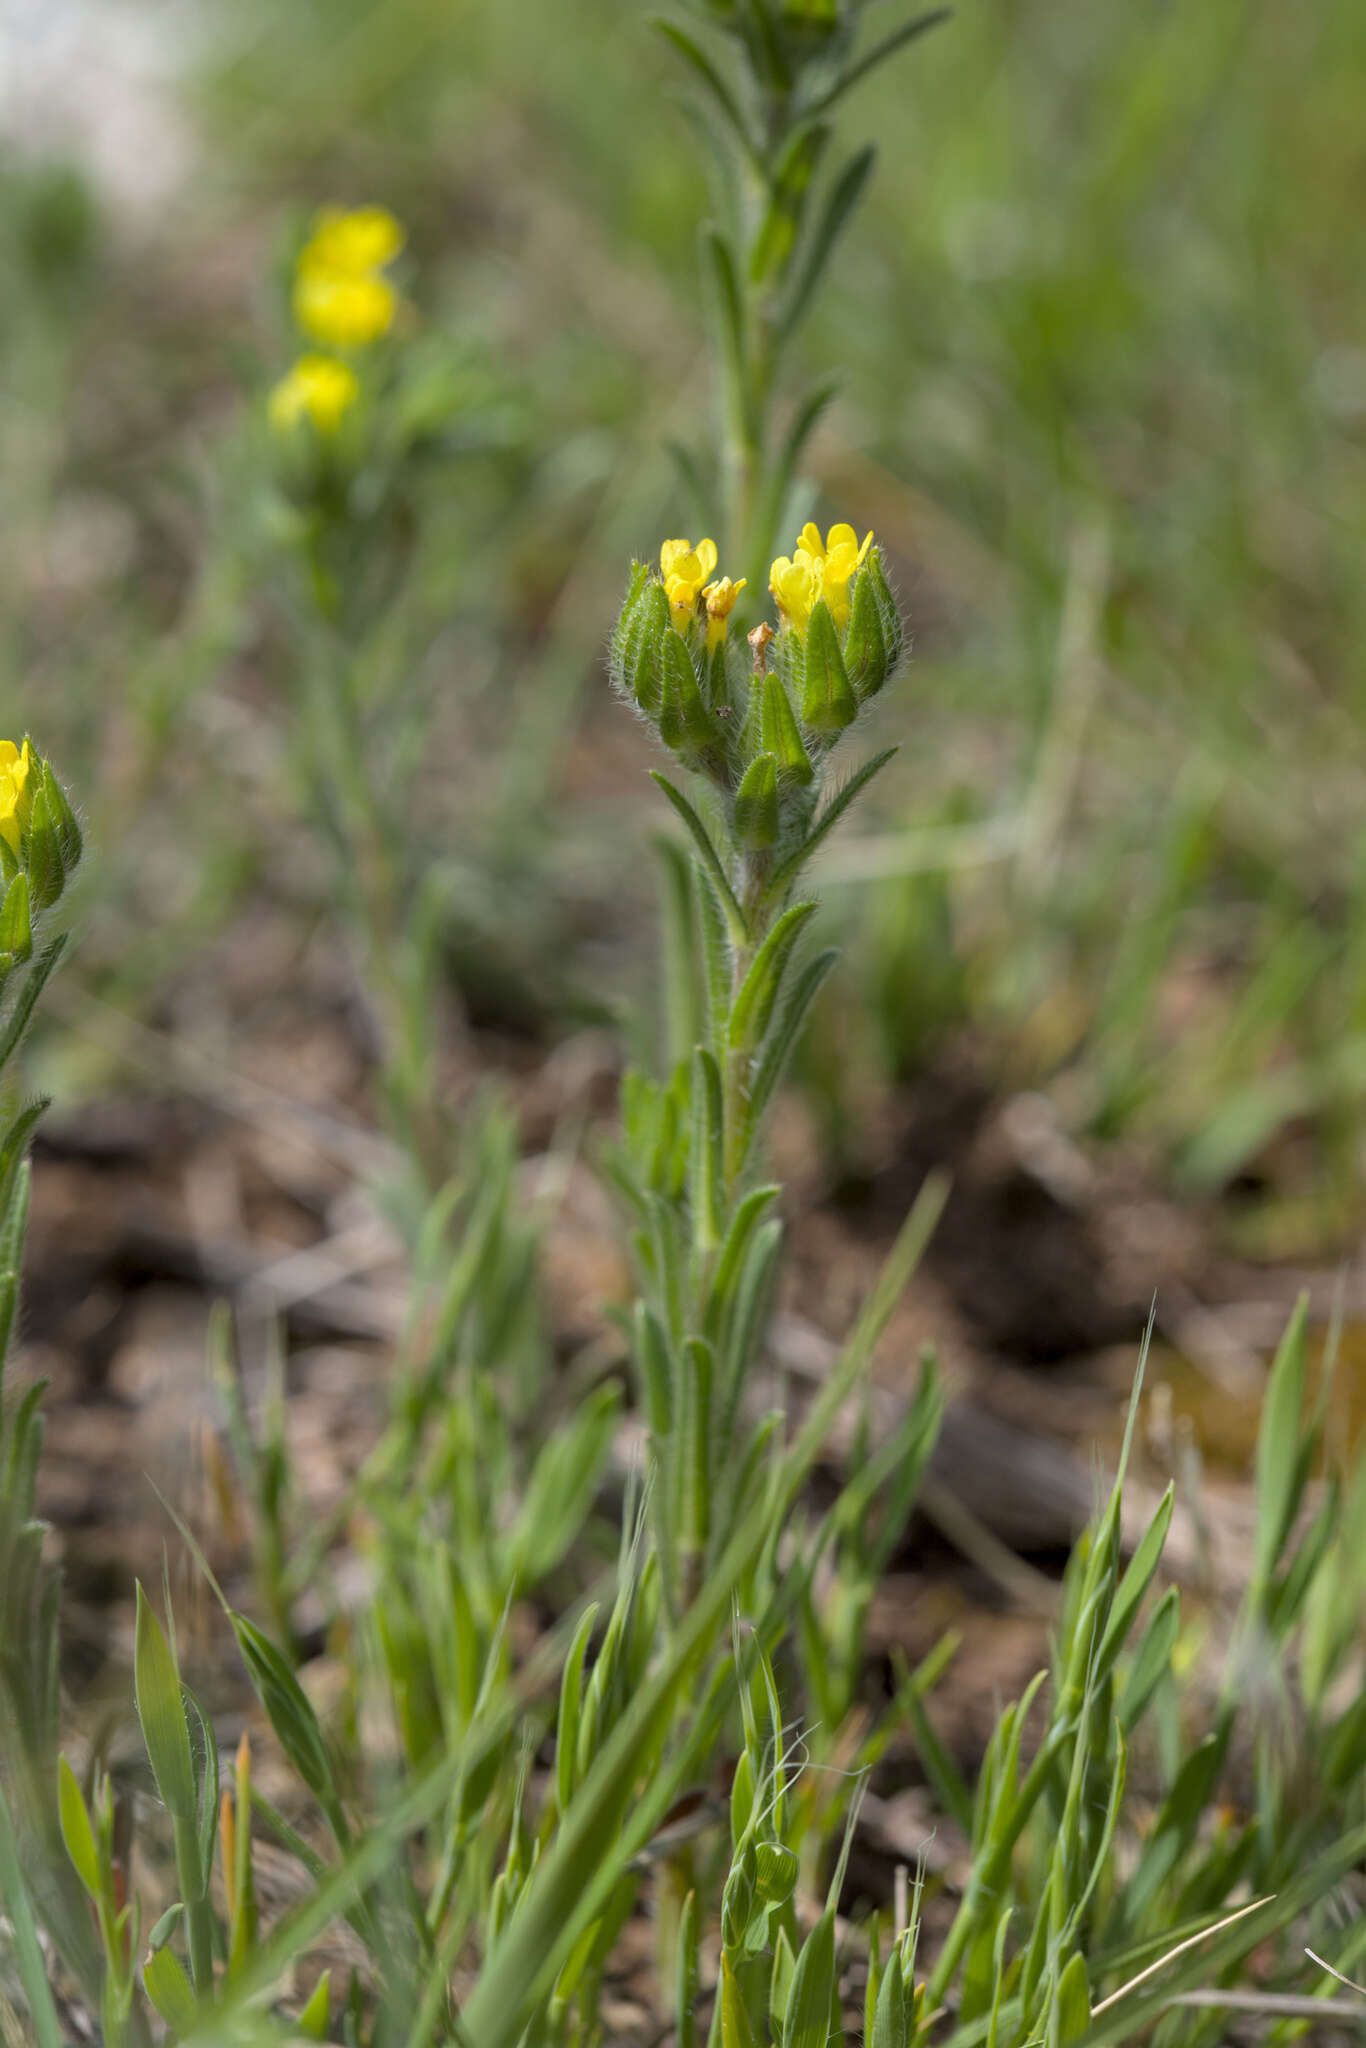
828,701
865,643
46,869
685,724
779,733
653,630
756,804
889,611
626,634
69,842
16,926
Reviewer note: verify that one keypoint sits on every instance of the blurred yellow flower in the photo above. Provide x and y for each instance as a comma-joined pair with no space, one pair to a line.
686,569
720,597
818,569
319,389
365,239
344,308
15,766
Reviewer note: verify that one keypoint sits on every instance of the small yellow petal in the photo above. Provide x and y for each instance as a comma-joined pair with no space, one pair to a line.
706,555
671,553
319,389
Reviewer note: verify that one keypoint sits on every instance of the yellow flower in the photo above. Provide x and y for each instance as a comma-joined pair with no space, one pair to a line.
356,242
15,767
795,583
344,308
686,569
720,597
319,389
818,569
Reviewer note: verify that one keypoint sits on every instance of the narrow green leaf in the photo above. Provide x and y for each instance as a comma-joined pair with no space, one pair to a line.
813,1988
895,40
571,1697
783,1036
1278,1441
77,1832
288,1709
1133,1586
715,86
161,1711
830,816
706,1153
170,1990
1071,2014
711,860
760,989
790,184
14,1900
840,203
1153,1660
314,2020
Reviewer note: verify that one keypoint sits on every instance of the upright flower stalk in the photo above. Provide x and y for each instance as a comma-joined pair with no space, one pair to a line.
756,719
769,74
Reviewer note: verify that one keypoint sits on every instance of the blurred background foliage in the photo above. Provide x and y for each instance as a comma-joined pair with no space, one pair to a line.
1102,329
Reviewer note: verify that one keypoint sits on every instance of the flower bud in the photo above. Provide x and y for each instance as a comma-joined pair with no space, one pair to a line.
756,805
828,701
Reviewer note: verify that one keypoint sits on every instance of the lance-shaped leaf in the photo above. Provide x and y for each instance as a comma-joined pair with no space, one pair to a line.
706,1153
841,200
289,1711
77,1831
170,1990
761,986
792,177
571,1702
161,1711
812,1997
711,860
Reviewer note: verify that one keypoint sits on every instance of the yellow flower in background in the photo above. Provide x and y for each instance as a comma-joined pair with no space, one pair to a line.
319,389
345,309
15,766
720,598
361,241
339,295
686,569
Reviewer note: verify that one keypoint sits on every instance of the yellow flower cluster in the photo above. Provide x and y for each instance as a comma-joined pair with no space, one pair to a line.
342,300
818,569
686,570
16,764
340,297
